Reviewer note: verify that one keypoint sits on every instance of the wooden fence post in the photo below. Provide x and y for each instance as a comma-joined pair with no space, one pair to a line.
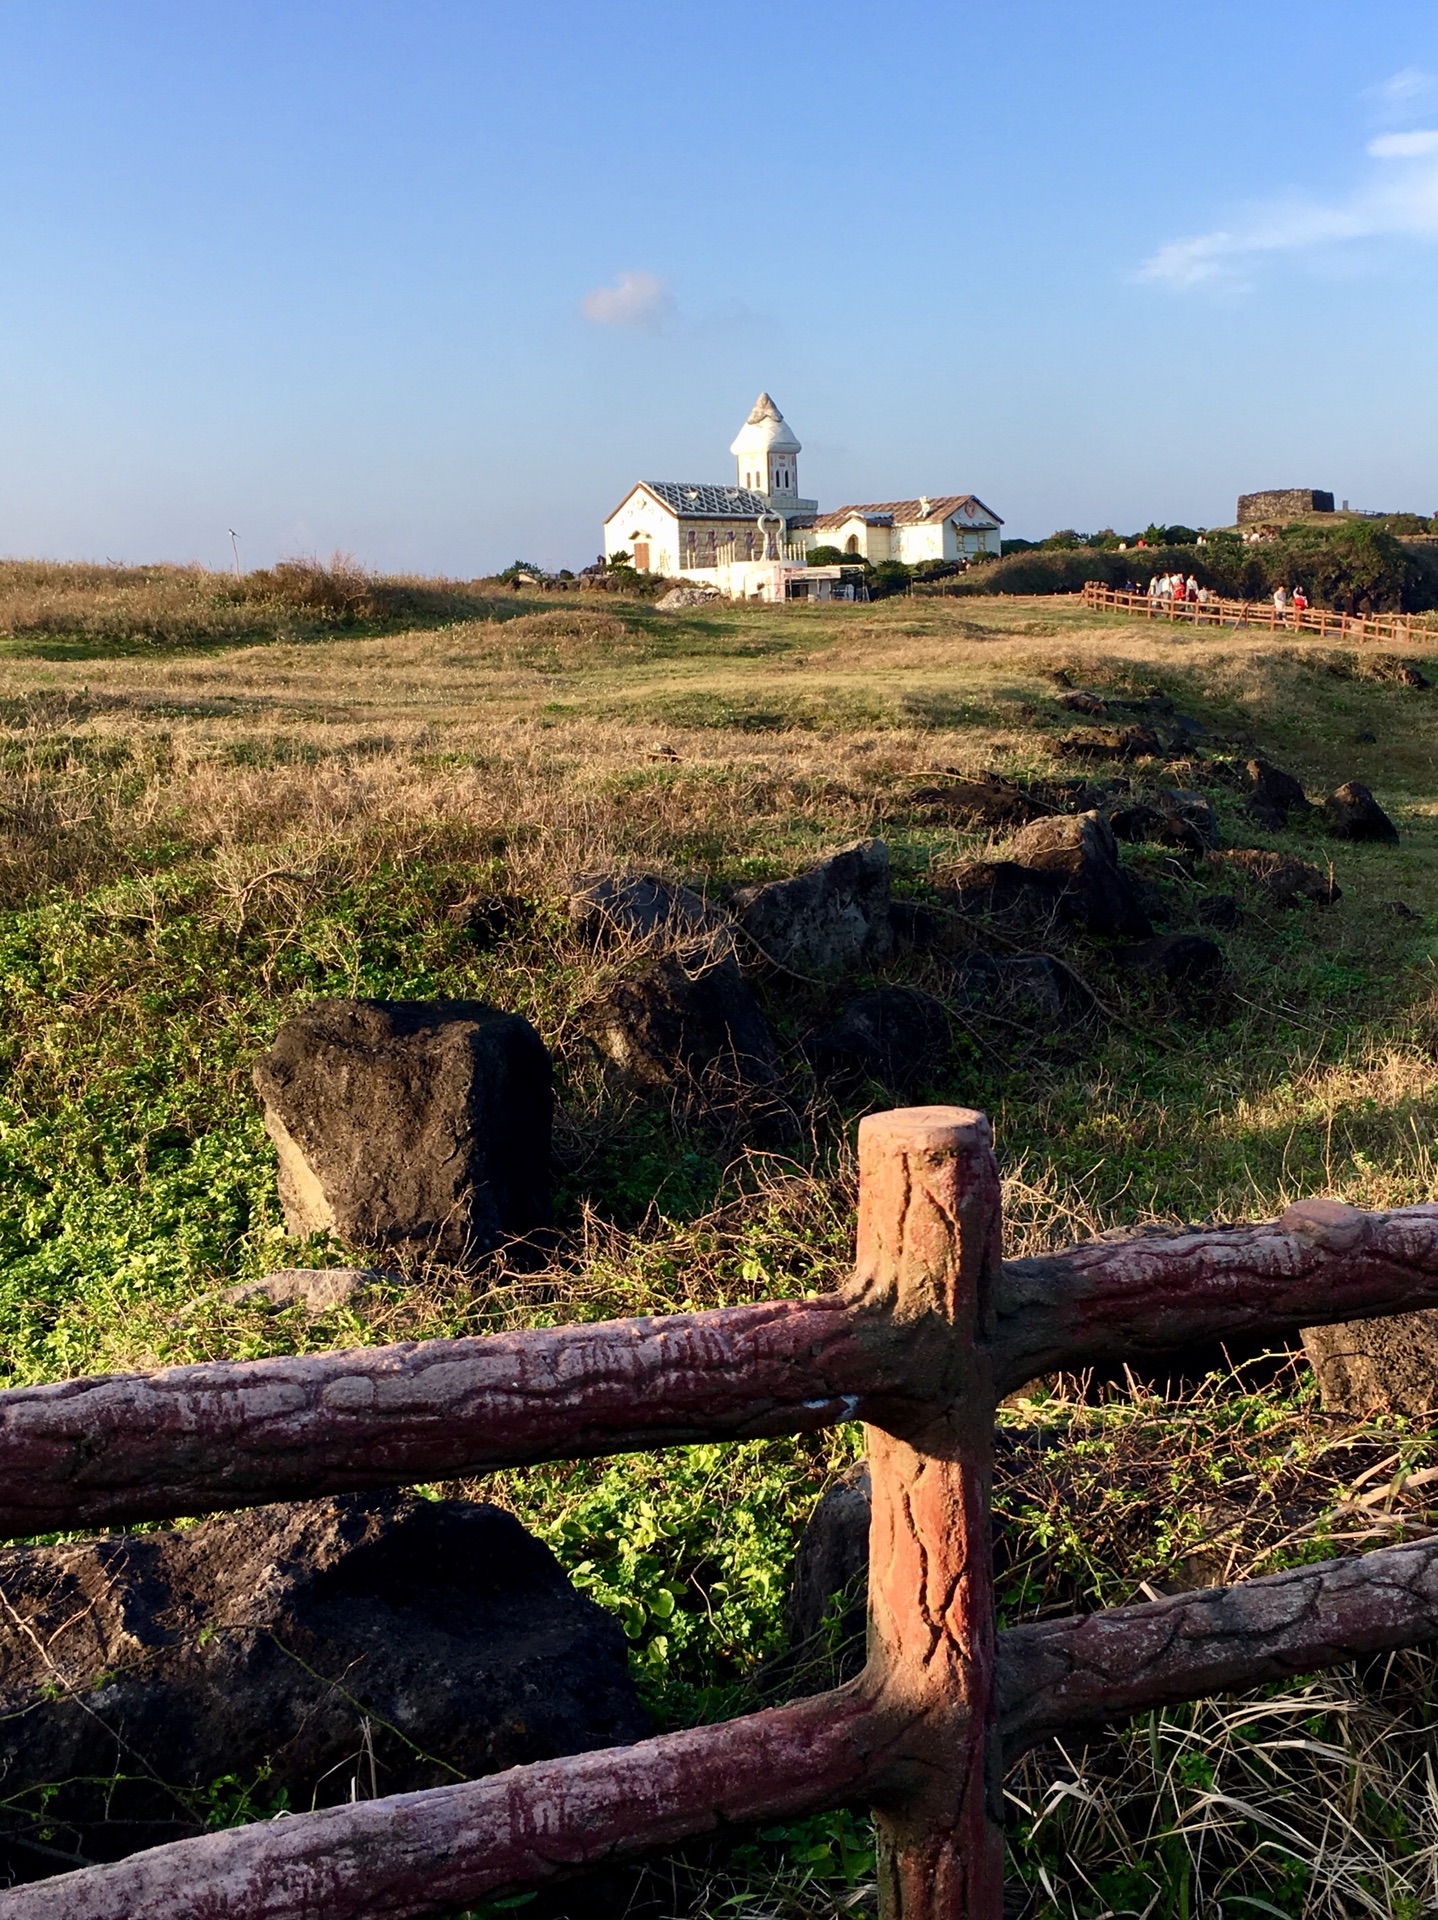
928,1251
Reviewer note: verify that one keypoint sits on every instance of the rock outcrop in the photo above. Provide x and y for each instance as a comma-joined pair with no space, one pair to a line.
832,919
895,1035
1377,1366
417,1127
1351,813
689,1022
366,1645
1079,854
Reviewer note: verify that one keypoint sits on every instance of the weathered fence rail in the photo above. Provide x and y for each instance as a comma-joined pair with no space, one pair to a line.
1216,612
922,1342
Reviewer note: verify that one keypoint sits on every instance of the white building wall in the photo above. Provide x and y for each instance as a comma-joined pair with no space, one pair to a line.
872,543
643,521
924,541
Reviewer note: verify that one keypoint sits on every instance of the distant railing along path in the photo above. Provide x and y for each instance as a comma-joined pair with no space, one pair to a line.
1262,614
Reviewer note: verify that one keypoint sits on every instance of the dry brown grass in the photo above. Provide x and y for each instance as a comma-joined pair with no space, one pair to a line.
234,791
163,606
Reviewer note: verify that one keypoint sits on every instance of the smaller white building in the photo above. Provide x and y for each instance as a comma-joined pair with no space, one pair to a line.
955,527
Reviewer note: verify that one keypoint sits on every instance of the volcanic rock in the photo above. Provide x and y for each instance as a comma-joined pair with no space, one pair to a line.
1377,1366
895,1035
489,917
1273,794
365,1644
1188,964
1001,889
832,1559
1033,991
612,908
1190,817
829,920
1080,700
417,1126
1391,670
1351,813
689,1020
987,801
316,1289
1137,823
917,925
1175,818
1221,912
1115,743
1285,880
1079,852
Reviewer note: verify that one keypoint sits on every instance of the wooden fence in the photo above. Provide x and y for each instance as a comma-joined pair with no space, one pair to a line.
921,1343
1265,617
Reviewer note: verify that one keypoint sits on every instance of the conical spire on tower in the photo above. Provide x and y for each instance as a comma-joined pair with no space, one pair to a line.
766,452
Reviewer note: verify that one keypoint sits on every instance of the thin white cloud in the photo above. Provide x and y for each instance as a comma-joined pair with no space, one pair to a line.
1399,203
1400,93
1403,146
634,300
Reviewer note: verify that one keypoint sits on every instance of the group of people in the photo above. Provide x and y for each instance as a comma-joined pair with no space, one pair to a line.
1165,588
1173,586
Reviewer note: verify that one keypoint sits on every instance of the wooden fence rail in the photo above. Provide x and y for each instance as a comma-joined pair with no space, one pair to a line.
1399,628
925,1338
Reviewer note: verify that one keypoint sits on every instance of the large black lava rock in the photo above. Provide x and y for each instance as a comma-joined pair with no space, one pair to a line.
895,1035
1351,813
358,1645
417,1127
1078,853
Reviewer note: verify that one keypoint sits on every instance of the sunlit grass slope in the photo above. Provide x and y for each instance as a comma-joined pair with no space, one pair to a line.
221,798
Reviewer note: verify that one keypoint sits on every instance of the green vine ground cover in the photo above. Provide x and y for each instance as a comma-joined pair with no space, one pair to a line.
194,841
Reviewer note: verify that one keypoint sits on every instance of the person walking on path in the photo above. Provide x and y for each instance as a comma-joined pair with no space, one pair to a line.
1300,600
1280,599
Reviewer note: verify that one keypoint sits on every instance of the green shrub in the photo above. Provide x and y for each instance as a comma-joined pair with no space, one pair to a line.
889,577
1355,567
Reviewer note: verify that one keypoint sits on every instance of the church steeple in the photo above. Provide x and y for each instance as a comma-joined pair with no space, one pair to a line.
766,455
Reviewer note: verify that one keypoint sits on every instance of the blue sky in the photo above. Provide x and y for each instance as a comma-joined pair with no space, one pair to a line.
434,282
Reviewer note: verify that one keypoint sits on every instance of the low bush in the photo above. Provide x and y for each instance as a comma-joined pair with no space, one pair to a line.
1354,567
889,577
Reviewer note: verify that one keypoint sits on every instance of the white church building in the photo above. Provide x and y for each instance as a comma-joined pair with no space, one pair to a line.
750,540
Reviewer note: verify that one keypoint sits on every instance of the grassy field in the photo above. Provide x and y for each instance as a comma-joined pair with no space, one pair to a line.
221,798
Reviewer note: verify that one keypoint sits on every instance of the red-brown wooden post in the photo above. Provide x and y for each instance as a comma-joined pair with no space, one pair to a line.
928,1251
